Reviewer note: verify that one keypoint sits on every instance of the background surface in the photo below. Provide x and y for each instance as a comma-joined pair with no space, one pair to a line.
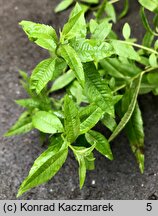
119,179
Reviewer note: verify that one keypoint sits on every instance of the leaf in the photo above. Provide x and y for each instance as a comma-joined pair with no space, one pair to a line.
109,122
135,132
45,71
126,31
124,50
47,122
63,81
153,60
97,90
43,35
71,121
82,172
90,1
102,30
151,5
64,4
100,142
134,91
22,126
89,117
44,168
110,11
92,49
73,61
125,9
76,26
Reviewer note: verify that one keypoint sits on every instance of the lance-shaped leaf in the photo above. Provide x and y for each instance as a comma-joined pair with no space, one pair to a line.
73,61
64,4
45,71
92,49
43,35
22,126
85,159
44,168
63,81
97,90
134,92
47,122
89,117
100,142
125,50
71,121
151,5
135,132
102,30
76,25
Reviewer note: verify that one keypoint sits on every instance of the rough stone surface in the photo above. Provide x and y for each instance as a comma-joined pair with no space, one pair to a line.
119,179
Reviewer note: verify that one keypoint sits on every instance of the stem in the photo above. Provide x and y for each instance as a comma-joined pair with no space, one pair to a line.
140,46
133,78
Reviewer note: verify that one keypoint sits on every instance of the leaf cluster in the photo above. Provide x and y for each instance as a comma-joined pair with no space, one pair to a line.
99,77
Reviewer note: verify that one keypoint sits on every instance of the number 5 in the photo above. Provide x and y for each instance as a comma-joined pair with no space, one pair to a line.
149,207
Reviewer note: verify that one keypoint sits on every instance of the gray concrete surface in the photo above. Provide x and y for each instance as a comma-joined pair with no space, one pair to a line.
119,179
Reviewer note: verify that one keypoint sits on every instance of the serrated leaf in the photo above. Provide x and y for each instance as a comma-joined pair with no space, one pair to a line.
43,35
44,168
71,121
76,25
73,61
135,133
100,142
64,4
109,122
47,122
22,125
45,71
92,49
126,31
124,50
134,91
97,90
62,81
102,30
89,117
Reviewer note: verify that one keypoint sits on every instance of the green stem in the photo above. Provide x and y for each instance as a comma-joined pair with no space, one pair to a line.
133,78
140,46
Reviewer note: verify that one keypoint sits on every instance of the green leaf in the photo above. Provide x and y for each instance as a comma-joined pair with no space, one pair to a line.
44,168
22,125
76,26
135,133
125,9
134,92
100,142
151,5
110,11
124,50
89,117
82,172
102,30
126,31
43,35
46,71
71,121
97,90
153,60
109,122
64,4
63,81
47,122
90,1
73,61
92,49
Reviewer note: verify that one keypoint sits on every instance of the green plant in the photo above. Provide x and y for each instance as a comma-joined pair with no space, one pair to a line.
101,77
